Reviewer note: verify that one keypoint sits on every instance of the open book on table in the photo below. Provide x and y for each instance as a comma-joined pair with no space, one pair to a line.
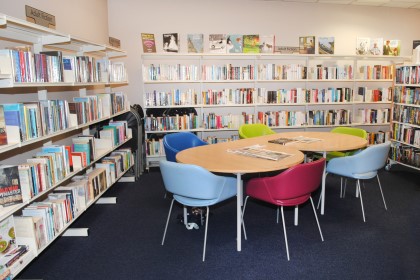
298,139
258,151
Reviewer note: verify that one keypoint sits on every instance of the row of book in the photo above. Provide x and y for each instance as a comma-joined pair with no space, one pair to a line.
263,96
24,121
408,75
282,118
409,115
405,154
407,95
406,134
55,67
263,72
378,137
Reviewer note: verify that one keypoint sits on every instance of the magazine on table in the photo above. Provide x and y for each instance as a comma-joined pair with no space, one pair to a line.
258,151
298,139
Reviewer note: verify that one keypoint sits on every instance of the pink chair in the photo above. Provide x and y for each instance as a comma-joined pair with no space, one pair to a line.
289,188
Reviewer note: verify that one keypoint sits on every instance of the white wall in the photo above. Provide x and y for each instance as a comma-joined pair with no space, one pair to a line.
86,19
128,18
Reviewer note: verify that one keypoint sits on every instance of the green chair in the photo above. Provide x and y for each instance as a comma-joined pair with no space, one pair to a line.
254,130
346,130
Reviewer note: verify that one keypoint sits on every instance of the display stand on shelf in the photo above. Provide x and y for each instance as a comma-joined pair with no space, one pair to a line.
39,135
283,91
405,149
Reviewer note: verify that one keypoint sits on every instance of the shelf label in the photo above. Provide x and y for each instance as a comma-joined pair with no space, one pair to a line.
39,17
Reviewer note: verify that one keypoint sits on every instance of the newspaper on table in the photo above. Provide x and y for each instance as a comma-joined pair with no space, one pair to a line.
298,139
258,151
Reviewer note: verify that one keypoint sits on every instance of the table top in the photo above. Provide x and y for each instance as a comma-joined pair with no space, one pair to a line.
216,158
329,141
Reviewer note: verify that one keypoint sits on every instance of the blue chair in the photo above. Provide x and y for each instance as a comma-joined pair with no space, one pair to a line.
362,166
176,142
194,186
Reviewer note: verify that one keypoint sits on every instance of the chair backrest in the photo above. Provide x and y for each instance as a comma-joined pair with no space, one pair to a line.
192,181
291,187
351,131
254,130
370,159
176,142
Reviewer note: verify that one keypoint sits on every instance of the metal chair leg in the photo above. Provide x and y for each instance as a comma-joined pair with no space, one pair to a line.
167,221
285,234
277,214
296,215
361,200
243,221
316,218
380,188
205,234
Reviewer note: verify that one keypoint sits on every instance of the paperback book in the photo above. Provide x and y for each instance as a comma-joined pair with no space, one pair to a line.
3,133
171,42
259,152
326,45
251,44
376,46
195,43
217,43
392,47
148,42
307,45
234,43
267,43
362,45
10,192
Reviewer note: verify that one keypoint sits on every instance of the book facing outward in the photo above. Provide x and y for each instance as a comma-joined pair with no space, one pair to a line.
267,43
326,45
148,42
234,43
195,43
259,152
3,133
171,42
217,43
362,45
307,45
10,192
376,46
251,44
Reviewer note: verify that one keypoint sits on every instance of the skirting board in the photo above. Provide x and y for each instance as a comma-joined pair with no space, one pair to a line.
107,200
76,232
127,179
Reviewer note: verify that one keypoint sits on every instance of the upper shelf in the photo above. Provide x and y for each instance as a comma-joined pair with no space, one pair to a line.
26,32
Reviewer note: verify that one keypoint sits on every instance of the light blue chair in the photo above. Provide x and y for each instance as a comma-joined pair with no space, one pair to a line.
362,166
194,186
176,142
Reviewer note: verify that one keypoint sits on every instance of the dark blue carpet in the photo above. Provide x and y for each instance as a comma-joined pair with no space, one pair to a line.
124,239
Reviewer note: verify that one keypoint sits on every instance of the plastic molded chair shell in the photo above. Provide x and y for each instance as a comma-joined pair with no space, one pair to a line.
350,131
194,186
254,130
176,142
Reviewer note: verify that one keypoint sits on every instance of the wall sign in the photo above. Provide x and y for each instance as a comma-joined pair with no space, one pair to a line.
39,17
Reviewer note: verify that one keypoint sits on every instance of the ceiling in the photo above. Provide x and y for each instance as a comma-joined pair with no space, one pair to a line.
410,4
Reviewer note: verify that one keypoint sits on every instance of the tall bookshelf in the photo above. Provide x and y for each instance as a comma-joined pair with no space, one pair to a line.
22,81
284,91
405,149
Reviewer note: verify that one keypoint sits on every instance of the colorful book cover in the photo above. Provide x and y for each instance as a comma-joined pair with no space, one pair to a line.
171,42
251,44
234,43
148,42
362,45
326,45
392,47
10,192
267,43
376,46
307,45
195,43
217,43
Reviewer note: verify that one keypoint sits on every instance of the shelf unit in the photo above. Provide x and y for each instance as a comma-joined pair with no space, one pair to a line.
280,90
405,149
36,39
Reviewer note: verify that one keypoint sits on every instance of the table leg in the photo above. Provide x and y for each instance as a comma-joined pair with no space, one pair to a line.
239,201
324,154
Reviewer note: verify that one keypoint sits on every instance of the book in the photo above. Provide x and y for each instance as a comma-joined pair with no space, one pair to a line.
170,42
69,71
15,122
3,132
259,152
376,46
234,43
217,43
7,240
195,43
362,45
10,192
267,43
251,44
326,45
392,47
281,141
148,42
307,45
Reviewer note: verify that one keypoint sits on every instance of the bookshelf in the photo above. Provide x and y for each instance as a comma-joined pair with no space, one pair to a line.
405,149
65,86
284,91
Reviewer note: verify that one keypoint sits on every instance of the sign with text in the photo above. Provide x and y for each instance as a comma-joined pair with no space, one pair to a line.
39,17
114,42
